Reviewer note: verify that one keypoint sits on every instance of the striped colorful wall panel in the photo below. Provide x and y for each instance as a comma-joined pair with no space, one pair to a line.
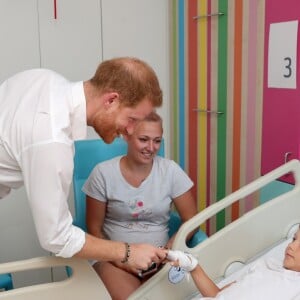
217,98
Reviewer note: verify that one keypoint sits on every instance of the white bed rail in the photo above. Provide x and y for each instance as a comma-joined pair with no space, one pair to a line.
291,167
83,284
246,237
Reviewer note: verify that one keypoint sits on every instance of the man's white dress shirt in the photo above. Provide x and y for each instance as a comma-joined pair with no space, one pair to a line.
41,114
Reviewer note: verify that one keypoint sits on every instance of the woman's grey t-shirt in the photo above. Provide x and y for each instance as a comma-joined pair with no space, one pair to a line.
137,214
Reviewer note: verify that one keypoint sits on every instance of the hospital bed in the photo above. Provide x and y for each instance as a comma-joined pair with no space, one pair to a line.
236,244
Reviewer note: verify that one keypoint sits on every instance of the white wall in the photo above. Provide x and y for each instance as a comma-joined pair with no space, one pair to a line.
85,33
140,28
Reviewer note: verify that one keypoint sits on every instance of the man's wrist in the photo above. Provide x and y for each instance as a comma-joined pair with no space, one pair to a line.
127,254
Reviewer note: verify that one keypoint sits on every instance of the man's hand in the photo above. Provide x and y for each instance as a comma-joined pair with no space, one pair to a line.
143,255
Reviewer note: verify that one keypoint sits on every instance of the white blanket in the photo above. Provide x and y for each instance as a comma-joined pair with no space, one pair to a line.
262,279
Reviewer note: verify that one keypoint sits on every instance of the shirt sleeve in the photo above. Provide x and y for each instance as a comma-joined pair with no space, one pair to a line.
95,185
47,169
181,182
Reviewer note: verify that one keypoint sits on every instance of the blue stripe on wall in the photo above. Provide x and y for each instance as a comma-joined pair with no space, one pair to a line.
181,74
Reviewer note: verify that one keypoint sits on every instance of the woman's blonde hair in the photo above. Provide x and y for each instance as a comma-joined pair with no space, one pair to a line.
153,117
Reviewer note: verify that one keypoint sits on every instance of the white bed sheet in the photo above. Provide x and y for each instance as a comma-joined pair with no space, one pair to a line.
277,253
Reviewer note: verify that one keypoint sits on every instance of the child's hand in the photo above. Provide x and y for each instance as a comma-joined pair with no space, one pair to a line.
182,259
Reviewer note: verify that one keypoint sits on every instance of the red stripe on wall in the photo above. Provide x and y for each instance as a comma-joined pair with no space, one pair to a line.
192,92
237,94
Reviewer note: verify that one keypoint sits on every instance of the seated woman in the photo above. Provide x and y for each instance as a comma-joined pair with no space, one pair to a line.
267,279
129,199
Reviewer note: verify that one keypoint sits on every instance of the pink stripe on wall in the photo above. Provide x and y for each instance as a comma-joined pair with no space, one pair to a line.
192,93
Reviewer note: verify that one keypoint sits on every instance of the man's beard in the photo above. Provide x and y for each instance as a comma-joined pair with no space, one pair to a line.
106,128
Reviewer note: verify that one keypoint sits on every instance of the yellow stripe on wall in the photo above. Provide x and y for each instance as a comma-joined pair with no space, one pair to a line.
202,104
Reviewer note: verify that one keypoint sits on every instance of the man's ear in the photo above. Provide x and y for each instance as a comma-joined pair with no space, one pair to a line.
111,99
125,136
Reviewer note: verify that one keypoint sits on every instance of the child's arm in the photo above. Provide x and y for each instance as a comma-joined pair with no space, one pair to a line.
188,262
204,284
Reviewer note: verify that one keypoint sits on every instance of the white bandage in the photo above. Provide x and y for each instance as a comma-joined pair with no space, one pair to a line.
185,260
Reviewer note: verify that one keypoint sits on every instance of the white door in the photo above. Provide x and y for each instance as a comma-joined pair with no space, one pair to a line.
140,28
70,37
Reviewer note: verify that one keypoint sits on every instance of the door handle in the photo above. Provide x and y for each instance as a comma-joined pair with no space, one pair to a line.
286,156
207,111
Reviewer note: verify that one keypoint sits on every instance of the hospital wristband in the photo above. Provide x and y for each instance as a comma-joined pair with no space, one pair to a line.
127,254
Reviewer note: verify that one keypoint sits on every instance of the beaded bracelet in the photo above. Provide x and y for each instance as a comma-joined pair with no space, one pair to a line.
127,254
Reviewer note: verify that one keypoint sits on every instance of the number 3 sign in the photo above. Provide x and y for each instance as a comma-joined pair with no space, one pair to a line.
282,60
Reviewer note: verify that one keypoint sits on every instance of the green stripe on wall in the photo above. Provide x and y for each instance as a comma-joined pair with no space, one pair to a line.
222,100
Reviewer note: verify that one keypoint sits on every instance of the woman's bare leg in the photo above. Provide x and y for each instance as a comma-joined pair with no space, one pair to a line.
119,283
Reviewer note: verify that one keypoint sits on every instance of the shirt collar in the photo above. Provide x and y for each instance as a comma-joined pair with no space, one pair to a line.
79,123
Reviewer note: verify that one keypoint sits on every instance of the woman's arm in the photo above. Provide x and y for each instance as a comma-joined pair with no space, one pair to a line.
95,214
186,207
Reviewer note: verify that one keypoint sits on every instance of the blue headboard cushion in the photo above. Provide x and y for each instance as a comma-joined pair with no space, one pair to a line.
90,152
